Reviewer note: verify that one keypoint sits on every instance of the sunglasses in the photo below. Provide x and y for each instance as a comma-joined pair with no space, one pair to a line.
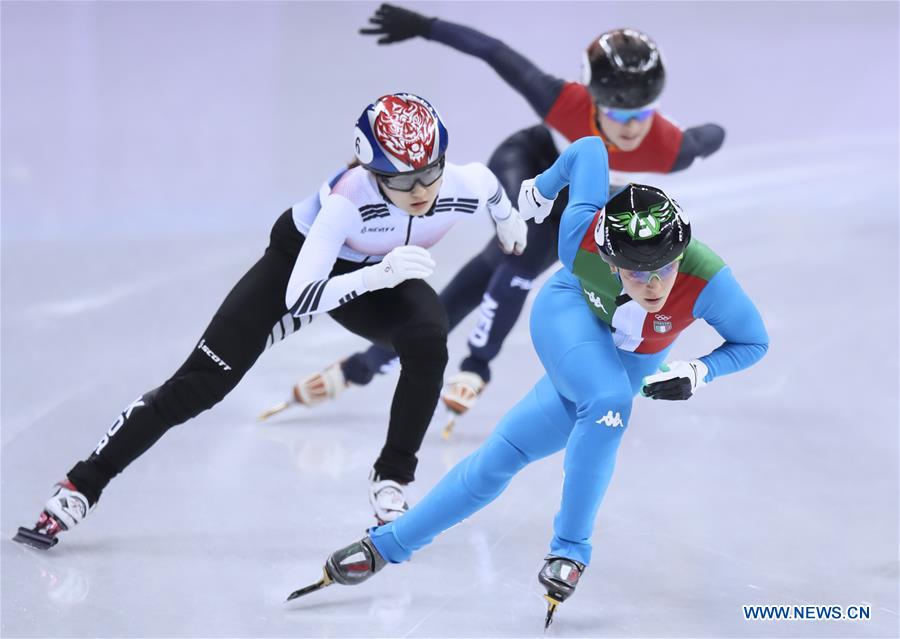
623,116
643,277
407,181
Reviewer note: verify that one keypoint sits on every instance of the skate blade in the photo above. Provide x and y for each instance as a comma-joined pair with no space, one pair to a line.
277,408
35,539
322,583
551,608
449,418
447,430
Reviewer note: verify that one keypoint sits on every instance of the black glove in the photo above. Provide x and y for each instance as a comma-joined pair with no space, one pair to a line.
675,380
671,389
395,24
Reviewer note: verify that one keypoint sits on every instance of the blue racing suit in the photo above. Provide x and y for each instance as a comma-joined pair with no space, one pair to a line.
583,402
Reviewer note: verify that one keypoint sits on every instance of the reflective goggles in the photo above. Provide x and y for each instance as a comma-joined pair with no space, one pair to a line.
644,277
407,181
623,116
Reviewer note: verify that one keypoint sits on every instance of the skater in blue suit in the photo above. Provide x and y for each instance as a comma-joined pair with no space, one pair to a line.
632,279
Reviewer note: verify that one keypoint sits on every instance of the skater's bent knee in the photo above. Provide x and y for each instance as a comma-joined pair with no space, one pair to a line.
427,332
422,342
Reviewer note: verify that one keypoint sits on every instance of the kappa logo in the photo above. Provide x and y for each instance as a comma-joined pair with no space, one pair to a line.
595,300
120,421
662,323
218,360
611,420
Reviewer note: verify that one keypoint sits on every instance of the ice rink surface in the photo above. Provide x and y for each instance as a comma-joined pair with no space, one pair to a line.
148,147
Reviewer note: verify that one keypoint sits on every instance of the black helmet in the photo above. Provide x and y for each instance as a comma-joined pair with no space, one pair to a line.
623,69
641,229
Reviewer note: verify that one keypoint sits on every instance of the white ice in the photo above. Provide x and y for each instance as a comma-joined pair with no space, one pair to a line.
148,147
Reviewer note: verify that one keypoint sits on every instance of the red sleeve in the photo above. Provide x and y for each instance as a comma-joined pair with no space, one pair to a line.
573,113
588,242
656,154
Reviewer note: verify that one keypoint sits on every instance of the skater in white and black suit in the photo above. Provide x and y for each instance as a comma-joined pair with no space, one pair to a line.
356,250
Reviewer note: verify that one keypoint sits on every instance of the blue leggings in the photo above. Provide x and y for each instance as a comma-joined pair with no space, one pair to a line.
582,404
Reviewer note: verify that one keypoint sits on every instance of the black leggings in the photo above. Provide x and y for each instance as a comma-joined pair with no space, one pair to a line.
496,282
408,318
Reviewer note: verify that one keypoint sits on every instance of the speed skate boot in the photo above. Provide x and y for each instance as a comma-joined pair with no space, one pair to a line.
355,563
313,389
64,510
387,498
348,566
559,576
459,396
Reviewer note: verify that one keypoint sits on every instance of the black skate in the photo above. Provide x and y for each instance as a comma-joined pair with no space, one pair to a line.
348,566
44,534
65,509
559,576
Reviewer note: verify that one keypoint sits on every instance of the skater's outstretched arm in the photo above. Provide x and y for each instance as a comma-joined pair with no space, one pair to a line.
395,24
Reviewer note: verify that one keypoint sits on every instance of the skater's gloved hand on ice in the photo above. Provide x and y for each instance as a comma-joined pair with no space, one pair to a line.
532,204
512,233
401,264
395,24
676,380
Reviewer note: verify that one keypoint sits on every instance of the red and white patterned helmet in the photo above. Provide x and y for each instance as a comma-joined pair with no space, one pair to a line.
399,133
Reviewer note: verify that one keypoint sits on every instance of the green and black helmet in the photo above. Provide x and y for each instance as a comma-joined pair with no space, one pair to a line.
641,229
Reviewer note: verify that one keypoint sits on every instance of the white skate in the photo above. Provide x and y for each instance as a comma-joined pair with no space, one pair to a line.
459,396
387,498
65,509
312,390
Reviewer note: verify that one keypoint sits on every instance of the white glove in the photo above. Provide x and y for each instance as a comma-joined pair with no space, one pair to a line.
401,264
676,380
532,204
512,233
